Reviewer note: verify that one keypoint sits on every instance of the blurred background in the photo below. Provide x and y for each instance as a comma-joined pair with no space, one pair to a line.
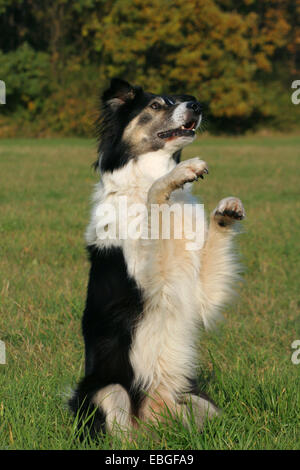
239,57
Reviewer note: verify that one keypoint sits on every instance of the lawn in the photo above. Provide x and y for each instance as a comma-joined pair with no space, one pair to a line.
244,365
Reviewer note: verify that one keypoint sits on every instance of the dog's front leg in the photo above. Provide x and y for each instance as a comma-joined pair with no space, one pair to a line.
161,354
184,172
219,267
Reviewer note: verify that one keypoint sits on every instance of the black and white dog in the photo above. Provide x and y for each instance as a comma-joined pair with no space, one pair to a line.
147,297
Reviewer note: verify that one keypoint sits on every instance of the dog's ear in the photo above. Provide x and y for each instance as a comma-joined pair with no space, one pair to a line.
119,93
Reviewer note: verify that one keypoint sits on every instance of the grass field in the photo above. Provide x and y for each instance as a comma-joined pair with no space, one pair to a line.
244,365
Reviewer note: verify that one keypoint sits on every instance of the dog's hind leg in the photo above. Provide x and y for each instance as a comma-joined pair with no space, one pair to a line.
98,411
219,267
115,403
197,409
161,406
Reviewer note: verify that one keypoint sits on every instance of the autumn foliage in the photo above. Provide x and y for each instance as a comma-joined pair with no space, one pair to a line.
239,57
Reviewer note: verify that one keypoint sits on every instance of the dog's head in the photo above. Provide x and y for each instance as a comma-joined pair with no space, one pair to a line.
134,122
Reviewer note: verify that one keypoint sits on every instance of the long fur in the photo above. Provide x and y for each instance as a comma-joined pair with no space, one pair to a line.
147,298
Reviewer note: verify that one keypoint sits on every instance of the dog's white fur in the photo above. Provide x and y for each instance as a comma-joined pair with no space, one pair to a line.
181,288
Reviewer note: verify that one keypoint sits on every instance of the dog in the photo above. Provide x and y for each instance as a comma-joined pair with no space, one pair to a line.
147,298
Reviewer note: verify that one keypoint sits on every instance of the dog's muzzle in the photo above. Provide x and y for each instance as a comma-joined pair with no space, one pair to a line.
190,114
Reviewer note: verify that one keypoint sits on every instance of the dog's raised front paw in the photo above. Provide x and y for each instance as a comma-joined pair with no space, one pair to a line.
228,211
189,171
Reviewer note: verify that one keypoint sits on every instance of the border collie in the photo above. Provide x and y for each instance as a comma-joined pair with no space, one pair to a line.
147,297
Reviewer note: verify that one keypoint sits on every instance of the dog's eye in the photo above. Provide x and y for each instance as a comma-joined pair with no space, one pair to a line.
155,105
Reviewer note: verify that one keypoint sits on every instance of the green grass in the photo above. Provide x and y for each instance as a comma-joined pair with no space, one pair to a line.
244,365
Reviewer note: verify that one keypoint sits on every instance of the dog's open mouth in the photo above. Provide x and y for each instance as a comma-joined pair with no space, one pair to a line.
186,130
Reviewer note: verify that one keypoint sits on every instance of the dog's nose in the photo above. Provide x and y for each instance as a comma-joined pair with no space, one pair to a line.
195,106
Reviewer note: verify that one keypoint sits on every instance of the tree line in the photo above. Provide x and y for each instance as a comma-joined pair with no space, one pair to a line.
239,57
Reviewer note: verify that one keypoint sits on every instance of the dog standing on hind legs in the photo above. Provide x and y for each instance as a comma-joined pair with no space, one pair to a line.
147,297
